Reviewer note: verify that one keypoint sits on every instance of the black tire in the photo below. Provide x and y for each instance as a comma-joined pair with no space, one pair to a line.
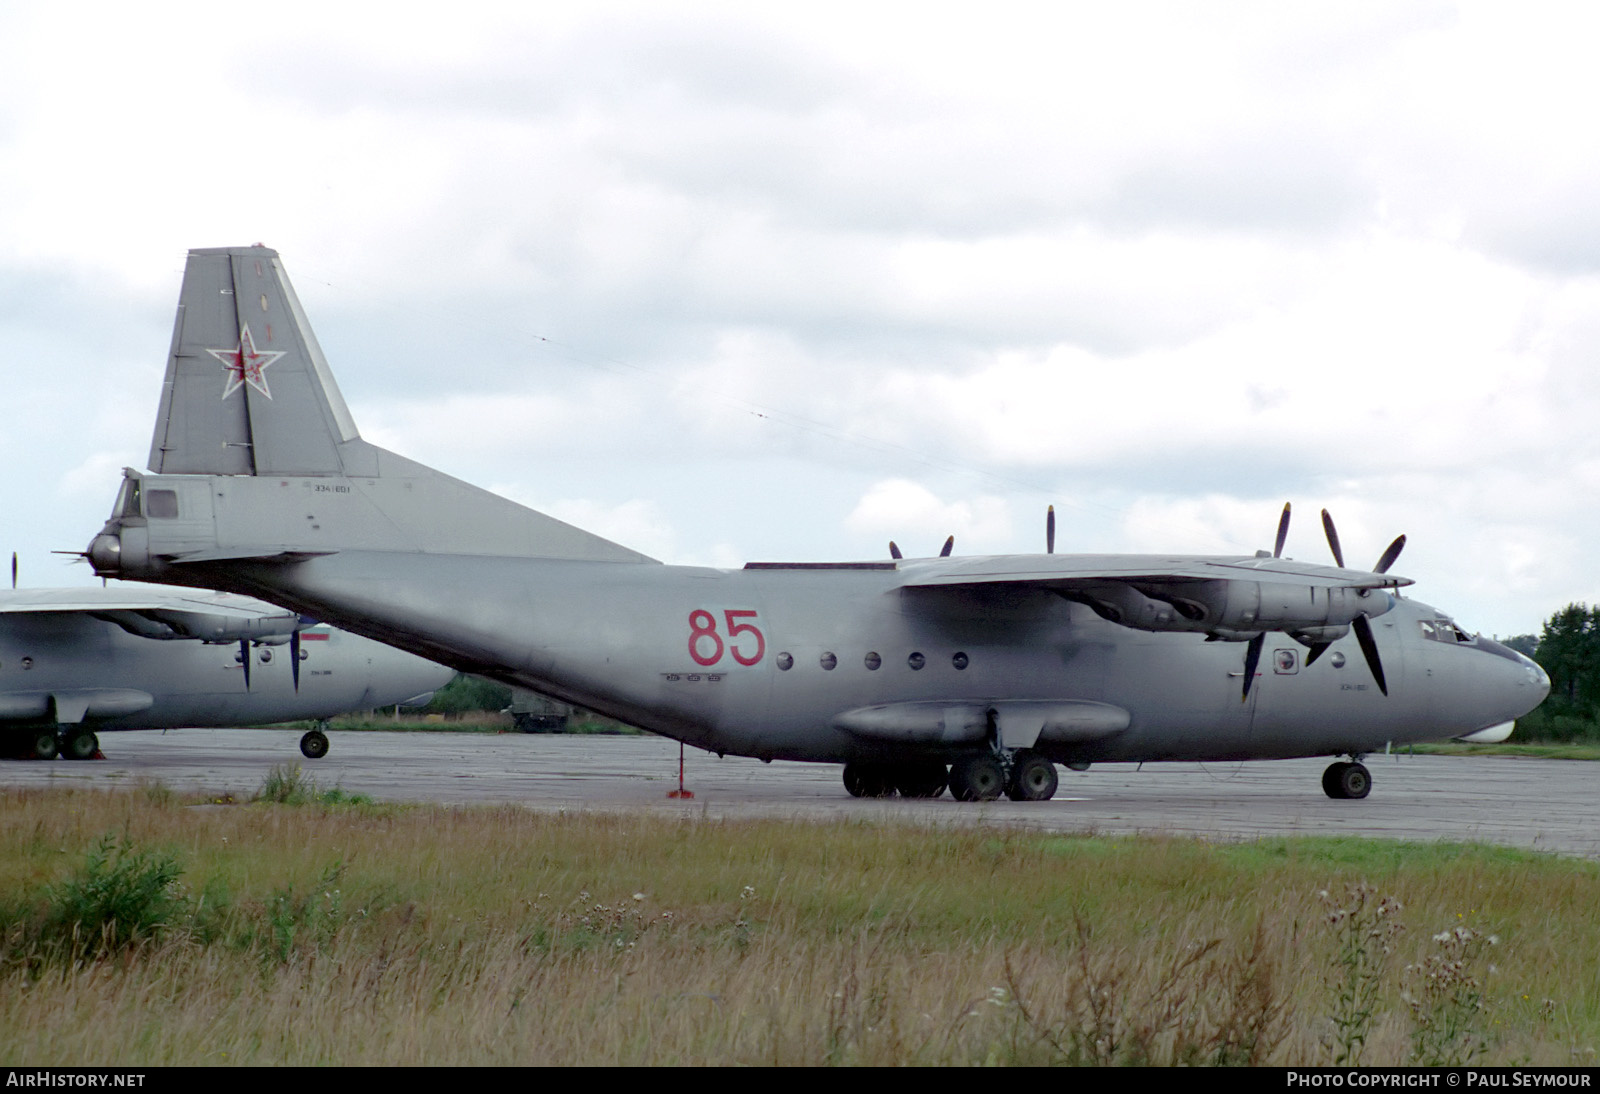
314,745
977,779
1033,778
79,744
42,745
922,779
1331,780
1355,782
867,780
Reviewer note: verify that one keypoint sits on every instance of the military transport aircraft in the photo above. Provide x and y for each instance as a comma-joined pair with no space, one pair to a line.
979,674
77,661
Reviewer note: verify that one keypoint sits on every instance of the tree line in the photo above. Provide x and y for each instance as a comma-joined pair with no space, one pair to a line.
1568,649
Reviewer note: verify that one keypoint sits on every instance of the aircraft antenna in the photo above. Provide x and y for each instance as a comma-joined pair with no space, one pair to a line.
13,569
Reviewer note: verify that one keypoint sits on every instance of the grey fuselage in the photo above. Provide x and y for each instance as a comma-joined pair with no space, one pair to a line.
615,637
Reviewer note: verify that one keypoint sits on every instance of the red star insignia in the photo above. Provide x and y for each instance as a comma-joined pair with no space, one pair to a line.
246,364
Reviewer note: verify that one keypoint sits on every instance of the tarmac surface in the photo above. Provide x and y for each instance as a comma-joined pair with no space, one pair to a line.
1545,805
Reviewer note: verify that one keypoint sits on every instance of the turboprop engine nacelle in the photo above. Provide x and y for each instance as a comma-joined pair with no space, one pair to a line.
1235,609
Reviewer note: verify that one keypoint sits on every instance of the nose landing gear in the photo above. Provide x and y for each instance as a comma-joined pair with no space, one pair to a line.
1347,780
314,745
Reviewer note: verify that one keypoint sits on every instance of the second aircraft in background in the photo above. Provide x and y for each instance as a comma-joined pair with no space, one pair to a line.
74,662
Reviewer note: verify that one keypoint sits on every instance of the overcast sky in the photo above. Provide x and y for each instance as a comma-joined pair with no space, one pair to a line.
732,282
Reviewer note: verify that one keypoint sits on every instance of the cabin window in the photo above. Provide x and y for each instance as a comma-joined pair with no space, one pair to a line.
873,661
959,660
916,661
161,504
785,661
829,662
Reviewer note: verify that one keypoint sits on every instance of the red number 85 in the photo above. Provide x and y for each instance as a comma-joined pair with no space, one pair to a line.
703,625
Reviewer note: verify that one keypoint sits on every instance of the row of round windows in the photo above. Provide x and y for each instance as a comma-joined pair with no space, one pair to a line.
829,661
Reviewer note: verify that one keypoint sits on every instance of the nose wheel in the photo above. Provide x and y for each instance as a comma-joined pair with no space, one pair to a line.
314,745
1347,780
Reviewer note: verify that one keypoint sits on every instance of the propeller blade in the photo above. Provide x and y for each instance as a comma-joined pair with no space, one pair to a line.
1252,658
294,659
1316,651
1050,531
1333,538
894,551
1369,650
1390,555
949,545
244,659
1283,532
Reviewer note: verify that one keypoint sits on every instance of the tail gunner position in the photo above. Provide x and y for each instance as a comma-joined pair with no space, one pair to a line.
980,673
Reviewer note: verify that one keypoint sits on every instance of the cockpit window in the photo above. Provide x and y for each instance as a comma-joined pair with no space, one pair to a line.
128,503
1445,630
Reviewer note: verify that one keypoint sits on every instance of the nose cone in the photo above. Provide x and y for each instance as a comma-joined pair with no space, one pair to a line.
105,555
1517,682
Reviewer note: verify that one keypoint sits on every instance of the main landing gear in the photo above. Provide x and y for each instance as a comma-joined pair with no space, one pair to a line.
78,743
1347,780
73,742
915,779
1021,775
314,745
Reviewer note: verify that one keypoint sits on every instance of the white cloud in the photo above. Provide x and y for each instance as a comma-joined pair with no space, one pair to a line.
915,518
821,277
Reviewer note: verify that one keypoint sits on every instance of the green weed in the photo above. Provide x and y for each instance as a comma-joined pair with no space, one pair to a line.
119,898
286,784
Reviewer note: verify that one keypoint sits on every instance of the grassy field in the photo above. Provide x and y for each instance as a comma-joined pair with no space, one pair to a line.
304,928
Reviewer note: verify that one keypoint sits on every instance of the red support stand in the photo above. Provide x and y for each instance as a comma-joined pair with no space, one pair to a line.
680,792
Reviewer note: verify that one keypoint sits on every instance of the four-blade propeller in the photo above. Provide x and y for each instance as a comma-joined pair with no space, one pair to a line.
1361,624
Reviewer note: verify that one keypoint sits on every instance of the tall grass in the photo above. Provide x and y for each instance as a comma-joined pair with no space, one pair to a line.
386,935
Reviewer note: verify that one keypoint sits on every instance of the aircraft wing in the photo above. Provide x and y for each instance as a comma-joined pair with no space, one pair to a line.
1224,597
1065,571
162,614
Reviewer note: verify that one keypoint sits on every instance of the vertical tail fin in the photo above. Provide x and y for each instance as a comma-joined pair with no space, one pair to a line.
247,390
255,454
